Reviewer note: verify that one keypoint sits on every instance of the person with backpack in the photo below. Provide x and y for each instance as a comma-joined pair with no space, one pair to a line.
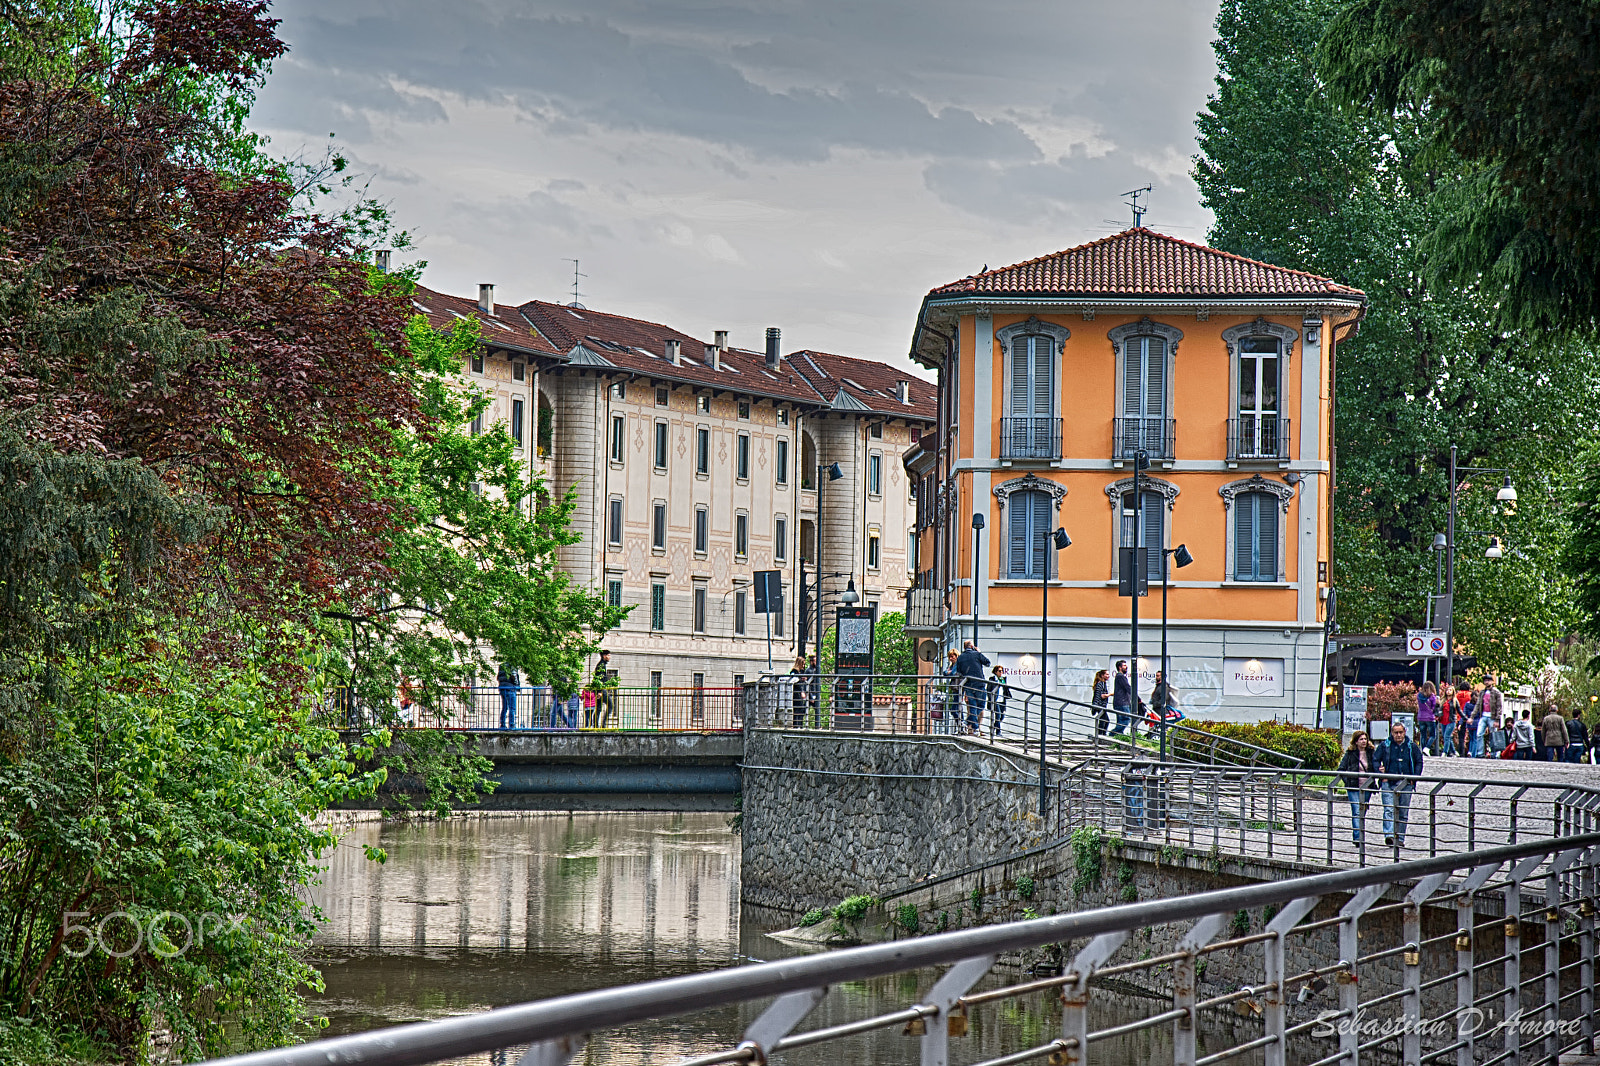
1400,756
508,682
1577,738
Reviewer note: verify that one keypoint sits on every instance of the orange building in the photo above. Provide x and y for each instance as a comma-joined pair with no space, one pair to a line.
1054,375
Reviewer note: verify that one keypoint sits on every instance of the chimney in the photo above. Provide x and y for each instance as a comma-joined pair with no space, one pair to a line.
722,340
902,391
486,299
381,258
672,352
774,346
713,357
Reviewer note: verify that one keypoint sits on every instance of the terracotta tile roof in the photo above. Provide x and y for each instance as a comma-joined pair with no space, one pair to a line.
1141,262
505,328
870,383
639,346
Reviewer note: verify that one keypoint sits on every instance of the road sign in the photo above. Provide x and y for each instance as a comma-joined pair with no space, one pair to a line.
769,591
1426,643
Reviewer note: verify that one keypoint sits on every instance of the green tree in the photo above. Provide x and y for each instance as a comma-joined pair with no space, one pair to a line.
1295,179
896,652
1508,87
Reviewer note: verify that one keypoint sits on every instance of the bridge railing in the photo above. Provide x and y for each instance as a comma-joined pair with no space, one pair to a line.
538,708
924,704
1309,816
1480,957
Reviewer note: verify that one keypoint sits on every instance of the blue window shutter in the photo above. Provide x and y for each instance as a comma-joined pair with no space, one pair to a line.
1017,535
1043,375
1154,528
1266,537
1038,530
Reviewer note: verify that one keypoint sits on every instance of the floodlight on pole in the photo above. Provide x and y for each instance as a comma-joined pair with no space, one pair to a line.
1495,550
1507,493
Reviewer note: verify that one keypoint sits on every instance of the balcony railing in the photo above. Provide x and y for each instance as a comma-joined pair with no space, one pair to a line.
1030,438
924,609
1258,437
1154,436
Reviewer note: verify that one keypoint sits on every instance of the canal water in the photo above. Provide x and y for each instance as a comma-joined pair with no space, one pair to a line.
479,912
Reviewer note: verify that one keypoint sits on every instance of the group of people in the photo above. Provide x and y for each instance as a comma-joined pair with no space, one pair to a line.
1114,695
969,689
1471,721
596,702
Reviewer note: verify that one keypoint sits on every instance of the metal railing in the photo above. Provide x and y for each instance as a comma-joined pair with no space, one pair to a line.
1155,436
924,704
1406,961
1030,438
924,609
1309,817
539,708
1258,437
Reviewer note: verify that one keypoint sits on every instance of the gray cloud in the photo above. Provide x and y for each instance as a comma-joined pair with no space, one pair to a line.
815,165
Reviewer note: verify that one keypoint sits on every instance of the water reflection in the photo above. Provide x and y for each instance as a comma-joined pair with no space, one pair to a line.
481,912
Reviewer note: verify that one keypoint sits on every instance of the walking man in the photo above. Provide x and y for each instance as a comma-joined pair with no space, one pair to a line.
1554,728
970,664
1122,697
604,686
1398,755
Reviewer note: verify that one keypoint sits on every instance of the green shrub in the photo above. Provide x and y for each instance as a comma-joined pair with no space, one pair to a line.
1026,887
907,918
850,910
1317,749
813,917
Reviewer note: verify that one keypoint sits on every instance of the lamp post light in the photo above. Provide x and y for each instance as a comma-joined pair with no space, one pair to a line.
1505,494
1140,568
1181,557
833,473
1058,540
977,554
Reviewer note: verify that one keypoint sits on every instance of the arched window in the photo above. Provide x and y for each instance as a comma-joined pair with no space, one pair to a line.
1144,387
1030,428
1027,528
1255,536
1153,517
1261,352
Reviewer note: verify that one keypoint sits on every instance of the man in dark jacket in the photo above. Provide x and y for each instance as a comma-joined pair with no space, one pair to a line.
1577,737
1122,697
970,664
1397,755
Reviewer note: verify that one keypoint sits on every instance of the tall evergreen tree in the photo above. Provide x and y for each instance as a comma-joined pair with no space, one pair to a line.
1294,179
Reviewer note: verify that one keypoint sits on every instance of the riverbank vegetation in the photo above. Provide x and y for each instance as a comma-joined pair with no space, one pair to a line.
235,501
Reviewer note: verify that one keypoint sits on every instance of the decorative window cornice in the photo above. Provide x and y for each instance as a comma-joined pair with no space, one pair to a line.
1032,327
1231,491
1030,483
1116,489
1260,328
1145,327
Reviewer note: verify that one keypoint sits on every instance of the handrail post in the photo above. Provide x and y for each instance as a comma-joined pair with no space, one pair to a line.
946,991
1075,995
1184,995
1513,972
1349,954
1411,934
1276,1053
1586,950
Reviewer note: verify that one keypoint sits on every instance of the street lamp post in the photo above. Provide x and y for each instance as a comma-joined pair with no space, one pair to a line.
834,474
1506,494
977,554
1180,555
1059,540
1138,568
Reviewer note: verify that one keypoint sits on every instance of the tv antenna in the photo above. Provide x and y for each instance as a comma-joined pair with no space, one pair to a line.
1138,209
575,276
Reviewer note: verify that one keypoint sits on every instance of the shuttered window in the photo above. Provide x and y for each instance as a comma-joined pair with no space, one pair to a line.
1255,537
1028,521
1144,392
1153,514
1032,377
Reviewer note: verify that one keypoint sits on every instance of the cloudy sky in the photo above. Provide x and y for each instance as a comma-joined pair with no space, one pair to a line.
736,164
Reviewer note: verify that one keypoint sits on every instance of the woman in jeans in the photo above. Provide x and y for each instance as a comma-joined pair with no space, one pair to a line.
1427,715
1354,767
1102,701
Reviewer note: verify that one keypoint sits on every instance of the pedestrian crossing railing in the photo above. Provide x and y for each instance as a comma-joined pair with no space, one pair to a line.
938,704
1480,957
1316,817
540,708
